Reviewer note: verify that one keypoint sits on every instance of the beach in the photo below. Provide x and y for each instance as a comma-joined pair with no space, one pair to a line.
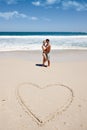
33,97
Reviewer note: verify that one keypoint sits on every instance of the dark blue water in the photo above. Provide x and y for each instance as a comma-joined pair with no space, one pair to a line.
42,33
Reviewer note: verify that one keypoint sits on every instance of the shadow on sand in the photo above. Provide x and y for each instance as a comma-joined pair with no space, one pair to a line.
41,65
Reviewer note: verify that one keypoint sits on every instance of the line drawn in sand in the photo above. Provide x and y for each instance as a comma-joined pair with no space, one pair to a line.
51,115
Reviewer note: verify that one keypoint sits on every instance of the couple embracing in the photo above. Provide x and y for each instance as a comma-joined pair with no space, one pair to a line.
46,47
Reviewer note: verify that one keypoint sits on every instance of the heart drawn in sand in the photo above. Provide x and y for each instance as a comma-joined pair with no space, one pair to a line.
43,104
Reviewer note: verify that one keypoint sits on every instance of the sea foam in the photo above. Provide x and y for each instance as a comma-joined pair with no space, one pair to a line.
13,43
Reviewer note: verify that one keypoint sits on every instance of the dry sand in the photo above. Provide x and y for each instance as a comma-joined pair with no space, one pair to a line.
43,98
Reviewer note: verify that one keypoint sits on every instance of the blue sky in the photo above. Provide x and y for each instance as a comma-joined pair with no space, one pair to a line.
43,15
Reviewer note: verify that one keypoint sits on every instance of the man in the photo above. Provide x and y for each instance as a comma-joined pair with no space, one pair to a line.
46,50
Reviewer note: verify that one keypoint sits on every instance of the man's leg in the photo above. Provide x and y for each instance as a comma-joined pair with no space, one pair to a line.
48,59
48,62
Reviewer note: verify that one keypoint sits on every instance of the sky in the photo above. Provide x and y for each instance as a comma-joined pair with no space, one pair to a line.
43,15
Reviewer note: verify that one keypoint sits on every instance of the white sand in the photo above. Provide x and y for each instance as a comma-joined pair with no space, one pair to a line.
46,98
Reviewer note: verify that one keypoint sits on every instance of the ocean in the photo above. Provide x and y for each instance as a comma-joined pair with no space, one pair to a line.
18,41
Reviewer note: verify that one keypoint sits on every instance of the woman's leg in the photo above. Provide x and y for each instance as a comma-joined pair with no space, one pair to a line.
44,58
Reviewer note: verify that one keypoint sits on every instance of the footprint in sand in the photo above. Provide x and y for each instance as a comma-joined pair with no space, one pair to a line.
81,125
3,100
79,106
